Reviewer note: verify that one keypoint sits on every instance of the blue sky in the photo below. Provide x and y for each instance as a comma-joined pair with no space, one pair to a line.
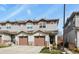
14,12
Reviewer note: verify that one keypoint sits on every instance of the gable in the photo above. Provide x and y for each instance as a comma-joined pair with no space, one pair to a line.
39,34
22,34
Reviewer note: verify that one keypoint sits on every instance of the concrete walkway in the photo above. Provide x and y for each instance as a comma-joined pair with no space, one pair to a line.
21,50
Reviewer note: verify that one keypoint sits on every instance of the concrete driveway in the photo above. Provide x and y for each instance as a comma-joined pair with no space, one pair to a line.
21,50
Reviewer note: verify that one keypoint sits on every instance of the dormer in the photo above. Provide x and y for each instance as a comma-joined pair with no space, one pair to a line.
8,23
42,23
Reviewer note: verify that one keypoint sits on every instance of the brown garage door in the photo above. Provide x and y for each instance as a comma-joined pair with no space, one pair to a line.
23,40
39,40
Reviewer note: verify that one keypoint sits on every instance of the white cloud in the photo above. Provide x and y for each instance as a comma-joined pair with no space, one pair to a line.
29,12
2,8
15,12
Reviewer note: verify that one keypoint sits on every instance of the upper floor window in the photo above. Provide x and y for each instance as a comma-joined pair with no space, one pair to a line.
42,25
8,27
29,26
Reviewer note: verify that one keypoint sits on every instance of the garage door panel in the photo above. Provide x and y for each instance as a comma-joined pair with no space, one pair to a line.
23,40
40,41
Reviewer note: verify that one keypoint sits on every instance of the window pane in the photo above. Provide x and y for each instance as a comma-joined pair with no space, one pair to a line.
40,26
44,26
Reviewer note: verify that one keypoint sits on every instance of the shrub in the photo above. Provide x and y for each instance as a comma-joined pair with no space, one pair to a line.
77,50
54,51
45,50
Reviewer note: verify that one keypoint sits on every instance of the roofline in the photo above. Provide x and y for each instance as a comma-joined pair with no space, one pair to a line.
33,32
71,16
32,21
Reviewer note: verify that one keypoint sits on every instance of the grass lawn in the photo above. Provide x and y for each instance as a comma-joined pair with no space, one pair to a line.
3,45
54,51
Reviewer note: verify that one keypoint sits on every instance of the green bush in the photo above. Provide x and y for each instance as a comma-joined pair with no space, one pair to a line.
54,51
45,50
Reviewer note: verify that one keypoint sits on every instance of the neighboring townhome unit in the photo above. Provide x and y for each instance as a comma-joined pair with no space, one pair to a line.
30,32
72,31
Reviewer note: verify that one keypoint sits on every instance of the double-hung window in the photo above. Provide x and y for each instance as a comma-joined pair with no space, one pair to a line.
42,25
29,26
8,27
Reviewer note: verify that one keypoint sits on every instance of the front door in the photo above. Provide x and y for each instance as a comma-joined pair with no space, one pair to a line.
52,39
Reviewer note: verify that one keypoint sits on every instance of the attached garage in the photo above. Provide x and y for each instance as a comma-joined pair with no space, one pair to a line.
23,40
39,40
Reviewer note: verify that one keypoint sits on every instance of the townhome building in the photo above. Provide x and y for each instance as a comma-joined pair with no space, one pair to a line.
71,38
29,32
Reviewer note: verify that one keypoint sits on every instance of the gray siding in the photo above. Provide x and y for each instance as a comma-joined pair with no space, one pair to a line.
70,31
49,27
72,36
77,21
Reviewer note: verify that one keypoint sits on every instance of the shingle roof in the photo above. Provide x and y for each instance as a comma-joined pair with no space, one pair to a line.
32,21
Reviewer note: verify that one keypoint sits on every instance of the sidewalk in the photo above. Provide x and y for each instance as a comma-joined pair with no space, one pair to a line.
68,51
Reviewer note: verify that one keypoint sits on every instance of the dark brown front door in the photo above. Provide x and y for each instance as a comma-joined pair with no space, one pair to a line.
39,40
23,40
